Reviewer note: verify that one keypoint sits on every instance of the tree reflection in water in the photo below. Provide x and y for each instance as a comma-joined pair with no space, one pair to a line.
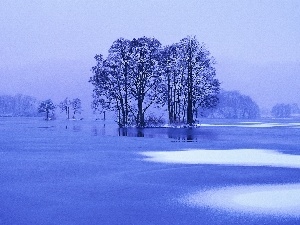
178,134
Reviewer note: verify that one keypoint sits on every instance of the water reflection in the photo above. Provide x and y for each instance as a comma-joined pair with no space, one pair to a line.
98,131
175,134
140,132
183,134
75,128
178,134
133,132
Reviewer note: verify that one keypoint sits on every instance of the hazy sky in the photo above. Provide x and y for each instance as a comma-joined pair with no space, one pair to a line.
47,46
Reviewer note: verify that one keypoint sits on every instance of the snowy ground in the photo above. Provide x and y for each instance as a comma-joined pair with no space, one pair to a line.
82,172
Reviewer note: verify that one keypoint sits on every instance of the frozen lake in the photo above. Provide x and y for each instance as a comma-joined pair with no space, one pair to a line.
91,172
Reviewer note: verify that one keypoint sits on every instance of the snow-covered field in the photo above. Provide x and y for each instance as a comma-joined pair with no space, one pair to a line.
85,172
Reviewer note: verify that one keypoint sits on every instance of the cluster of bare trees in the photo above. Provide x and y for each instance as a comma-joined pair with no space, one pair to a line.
67,105
141,73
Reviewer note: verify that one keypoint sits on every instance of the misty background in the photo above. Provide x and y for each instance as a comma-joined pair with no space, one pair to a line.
47,48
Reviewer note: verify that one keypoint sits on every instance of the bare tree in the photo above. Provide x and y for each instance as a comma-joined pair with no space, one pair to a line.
47,107
145,77
111,81
76,106
118,61
65,106
190,80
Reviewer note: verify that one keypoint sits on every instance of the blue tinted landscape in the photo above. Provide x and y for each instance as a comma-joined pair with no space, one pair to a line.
149,112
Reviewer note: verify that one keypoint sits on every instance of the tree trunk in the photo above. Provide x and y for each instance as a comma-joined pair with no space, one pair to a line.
170,100
189,109
126,95
141,119
123,112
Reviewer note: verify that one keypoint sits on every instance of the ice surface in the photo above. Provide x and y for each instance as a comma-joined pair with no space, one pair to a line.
279,200
254,125
82,172
238,157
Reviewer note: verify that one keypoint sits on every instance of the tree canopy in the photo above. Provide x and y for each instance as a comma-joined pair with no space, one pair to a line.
140,74
47,107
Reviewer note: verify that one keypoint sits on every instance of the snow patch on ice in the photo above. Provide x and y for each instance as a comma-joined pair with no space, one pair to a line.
279,200
181,125
237,157
252,122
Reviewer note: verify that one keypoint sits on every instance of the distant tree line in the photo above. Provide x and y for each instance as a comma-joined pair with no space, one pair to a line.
140,74
27,106
282,110
18,105
234,105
